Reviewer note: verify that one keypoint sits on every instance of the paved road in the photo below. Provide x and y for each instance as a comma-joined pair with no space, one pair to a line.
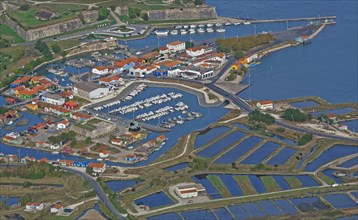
100,193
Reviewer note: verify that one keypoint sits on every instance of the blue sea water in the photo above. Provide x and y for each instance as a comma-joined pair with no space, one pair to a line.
155,200
120,185
352,125
350,163
340,200
304,104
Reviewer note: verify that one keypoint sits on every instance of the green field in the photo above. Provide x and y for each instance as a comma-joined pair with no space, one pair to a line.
270,184
219,185
245,184
10,35
293,182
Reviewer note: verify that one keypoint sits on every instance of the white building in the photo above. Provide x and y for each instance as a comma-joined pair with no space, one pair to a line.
176,46
63,124
187,192
196,72
251,58
53,99
198,51
98,167
104,154
264,105
100,70
90,90
56,208
34,206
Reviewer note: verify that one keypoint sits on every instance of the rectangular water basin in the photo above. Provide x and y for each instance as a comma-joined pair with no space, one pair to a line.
282,156
260,154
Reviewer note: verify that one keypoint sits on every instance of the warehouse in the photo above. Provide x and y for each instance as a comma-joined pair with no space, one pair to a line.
90,90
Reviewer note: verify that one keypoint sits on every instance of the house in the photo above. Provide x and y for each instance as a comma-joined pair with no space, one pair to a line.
342,127
43,160
40,88
12,158
149,57
104,154
130,157
32,106
172,67
45,15
67,94
27,93
136,135
67,163
138,70
163,50
63,124
176,46
90,90
332,117
197,51
27,158
100,70
264,105
36,79
53,99
15,91
10,100
80,116
189,191
196,72
57,208
116,142
98,167
12,140
302,39
251,58
20,81
161,138
34,206
71,104
160,72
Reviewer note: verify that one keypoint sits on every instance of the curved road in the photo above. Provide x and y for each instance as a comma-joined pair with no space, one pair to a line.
100,193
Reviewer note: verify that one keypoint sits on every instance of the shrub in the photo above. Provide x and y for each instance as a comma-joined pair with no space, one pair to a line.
294,115
305,139
256,115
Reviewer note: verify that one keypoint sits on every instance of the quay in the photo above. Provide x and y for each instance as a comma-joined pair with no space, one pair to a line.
295,19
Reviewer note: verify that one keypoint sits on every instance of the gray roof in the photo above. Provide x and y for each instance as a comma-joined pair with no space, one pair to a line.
52,96
88,86
197,69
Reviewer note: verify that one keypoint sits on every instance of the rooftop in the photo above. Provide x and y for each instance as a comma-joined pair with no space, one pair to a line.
88,86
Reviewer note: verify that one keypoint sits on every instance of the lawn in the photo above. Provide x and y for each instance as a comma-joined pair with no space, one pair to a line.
28,19
293,182
10,35
245,184
219,185
270,184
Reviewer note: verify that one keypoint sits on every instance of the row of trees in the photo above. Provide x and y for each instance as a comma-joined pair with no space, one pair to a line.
243,44
305,139
296,115
258,116
32,170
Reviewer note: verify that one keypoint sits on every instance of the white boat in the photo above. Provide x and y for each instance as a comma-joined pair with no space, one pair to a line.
201,30
227,24
55,152
99,159
174,32
161,33
201,25
218,25
210,30
209,25
247,22
237,23
178,27
9,123
220,30
192,31
186,26
193,26
183,32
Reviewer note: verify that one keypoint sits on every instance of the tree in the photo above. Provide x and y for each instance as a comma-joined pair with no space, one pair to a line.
198,2
102,13
155,49
88,140
305,139
239,54
25,7
294,115
43,48
144,16
256,115
189,44
56,48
